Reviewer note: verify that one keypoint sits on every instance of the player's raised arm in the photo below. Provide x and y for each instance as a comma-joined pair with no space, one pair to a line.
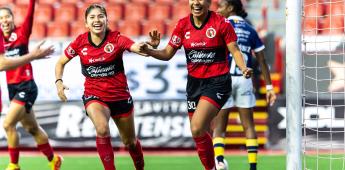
155,37
164,54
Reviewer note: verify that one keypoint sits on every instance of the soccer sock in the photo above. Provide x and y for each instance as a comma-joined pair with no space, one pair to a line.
47,150
218,145
105,152
252,148
137,156
14,155
205,150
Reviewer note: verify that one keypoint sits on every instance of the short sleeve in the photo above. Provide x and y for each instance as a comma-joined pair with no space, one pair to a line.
257,43
227,31
2,48
176,37
70,51
124,42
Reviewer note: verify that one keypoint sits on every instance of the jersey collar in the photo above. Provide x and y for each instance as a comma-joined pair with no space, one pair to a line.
203,24
104,39
235,18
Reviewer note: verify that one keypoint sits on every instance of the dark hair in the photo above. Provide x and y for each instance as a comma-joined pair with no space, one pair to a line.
93,6
238,7
8,10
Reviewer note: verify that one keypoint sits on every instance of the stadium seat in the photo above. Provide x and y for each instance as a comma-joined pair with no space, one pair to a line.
19,13
50,2
315,9
115,12
44,14
129,28
112,25
159,11
333,25
141,1
180,10
311,26
94,1
22,2
39,31
118,1
135,11
58,29
71,1
170,26
150,25
65,13
77,27
6,2
170,2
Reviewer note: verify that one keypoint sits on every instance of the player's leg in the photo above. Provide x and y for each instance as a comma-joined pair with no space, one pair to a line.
15,112
99,114
247,120
200,123
30,124
125,125
220,123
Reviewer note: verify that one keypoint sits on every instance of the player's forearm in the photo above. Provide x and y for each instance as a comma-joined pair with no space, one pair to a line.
11,63
239,60
160,54
264,67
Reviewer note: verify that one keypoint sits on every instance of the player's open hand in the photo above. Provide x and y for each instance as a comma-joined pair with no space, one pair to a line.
270,97
40,53
155,38
60,87
247,73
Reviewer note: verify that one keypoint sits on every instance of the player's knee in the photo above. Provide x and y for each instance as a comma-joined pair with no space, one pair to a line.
102,130
8,126
31,129
196,130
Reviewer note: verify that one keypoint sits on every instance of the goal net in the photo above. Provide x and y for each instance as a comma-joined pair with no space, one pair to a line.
323,82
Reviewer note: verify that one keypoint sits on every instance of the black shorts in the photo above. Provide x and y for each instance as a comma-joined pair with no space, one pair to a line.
24,93
216,90
121,108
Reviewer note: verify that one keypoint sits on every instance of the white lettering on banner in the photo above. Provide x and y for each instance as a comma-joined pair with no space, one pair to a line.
73,122
145,107
316,117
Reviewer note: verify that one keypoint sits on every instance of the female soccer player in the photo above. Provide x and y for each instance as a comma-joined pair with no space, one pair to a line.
242,95
106,92
22,90
206,38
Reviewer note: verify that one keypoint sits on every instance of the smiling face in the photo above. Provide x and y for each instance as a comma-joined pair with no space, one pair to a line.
6,21
96,19
199,8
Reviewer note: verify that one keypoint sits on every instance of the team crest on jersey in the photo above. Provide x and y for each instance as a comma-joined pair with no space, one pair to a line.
210,33
13,37
109,48
175,40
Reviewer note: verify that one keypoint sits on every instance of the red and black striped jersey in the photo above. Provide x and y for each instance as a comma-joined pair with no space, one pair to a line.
2,48
17,45
205,46
102,65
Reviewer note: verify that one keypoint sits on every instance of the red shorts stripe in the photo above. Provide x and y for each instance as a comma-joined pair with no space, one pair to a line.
95,101
211,101
18,102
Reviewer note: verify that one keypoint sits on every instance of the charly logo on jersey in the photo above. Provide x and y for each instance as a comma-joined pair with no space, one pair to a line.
84,51
187,35
175,40
21,94
219,95
13,37
109,48
210,32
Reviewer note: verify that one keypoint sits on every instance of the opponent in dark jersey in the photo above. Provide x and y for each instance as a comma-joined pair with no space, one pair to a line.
106,92
22,88
242,89
206,38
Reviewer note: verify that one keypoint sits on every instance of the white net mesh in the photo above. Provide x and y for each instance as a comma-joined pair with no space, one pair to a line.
323,68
